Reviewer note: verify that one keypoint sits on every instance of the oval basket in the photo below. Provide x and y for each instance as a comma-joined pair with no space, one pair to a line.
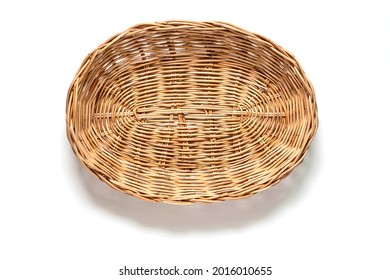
185,112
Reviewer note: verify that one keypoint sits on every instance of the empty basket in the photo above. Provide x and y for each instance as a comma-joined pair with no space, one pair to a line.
185,112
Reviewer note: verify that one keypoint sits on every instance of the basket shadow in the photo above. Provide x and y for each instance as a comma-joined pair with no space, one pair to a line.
198,217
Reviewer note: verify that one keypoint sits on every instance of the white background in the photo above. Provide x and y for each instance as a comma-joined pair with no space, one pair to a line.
330,219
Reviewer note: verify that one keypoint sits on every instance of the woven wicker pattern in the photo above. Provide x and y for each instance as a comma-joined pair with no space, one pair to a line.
185,112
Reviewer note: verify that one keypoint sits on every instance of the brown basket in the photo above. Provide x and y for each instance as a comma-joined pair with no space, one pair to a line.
185,112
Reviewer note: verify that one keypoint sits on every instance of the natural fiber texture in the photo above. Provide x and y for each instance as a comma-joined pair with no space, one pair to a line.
184,112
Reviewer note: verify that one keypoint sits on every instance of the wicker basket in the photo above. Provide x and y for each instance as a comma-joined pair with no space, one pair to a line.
185,112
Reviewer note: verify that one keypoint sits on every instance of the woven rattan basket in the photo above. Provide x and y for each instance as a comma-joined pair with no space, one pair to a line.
185,112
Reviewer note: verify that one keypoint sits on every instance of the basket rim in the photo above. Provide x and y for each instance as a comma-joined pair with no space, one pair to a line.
177,25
